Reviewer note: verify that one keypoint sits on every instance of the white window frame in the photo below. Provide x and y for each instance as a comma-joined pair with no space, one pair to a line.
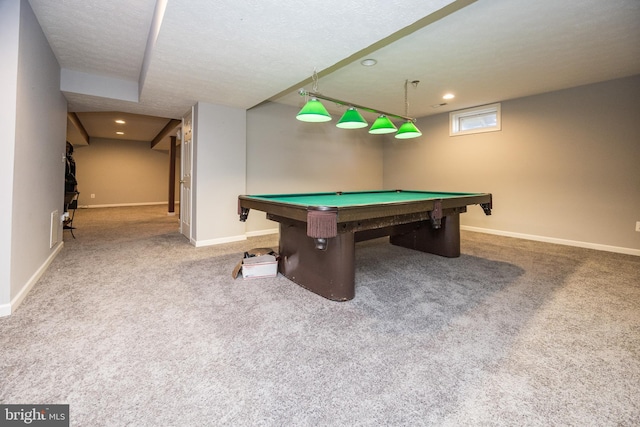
484,110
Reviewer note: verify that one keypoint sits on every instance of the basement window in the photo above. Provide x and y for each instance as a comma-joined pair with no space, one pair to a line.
475,120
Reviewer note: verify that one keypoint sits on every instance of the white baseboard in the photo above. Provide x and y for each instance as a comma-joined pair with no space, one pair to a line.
211,242
262,232
119,205
586,245
7,309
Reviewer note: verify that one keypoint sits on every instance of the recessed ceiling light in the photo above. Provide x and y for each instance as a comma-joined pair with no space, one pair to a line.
120,133
448,96
369,62
120,121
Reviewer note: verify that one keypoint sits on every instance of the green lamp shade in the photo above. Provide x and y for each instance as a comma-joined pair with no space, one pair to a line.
408,130
382,125
352,119
313,111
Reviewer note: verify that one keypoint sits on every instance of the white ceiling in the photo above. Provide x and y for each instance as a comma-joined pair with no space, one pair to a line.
241,53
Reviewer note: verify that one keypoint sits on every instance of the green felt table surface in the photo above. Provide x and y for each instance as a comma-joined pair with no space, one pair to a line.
358,198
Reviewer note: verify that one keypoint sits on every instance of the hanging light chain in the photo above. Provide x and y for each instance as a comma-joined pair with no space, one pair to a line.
315,80
406,98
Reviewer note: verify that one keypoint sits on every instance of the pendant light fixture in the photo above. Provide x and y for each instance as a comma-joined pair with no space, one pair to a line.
352,119
314,111
382,125
408,129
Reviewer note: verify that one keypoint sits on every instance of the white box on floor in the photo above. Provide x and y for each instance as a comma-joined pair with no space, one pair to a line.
259,266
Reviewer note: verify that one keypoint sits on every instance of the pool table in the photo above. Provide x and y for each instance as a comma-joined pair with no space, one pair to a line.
318,231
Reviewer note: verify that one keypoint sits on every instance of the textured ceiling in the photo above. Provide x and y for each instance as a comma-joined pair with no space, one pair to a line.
241,53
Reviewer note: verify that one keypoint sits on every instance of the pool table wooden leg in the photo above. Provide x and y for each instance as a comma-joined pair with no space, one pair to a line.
329,273
443,241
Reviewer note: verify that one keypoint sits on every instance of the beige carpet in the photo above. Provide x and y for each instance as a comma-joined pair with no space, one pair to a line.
133,326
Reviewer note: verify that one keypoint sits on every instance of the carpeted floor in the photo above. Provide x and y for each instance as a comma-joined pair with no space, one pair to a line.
133,326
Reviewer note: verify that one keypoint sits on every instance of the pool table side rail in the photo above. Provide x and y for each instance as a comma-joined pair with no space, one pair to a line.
299,212
362,212
355,198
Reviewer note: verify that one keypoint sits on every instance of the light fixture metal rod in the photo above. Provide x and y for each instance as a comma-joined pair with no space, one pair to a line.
351,104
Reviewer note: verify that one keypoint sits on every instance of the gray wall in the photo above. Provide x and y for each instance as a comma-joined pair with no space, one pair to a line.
219,174
564,168
121,172
285,155
33,176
